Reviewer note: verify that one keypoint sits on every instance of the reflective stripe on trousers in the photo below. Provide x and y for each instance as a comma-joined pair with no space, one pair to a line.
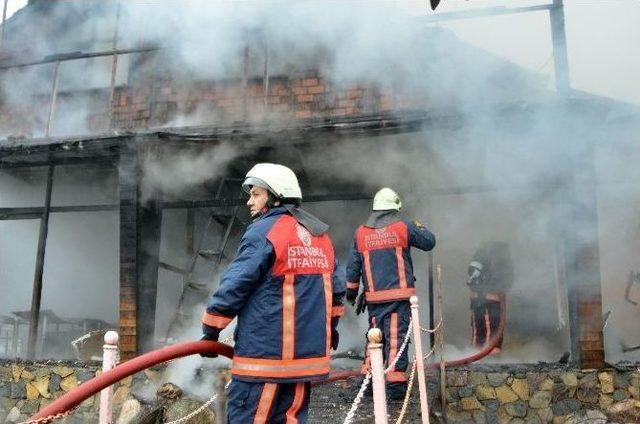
259,403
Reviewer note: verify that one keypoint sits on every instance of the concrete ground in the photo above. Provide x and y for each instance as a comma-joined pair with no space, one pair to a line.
331,402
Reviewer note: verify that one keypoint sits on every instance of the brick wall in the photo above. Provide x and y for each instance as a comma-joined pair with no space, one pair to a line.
154,101
166,102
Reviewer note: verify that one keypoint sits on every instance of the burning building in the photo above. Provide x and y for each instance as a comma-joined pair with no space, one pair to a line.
128,128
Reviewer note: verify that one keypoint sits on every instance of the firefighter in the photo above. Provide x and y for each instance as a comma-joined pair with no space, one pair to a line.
282,288
490,276
380,256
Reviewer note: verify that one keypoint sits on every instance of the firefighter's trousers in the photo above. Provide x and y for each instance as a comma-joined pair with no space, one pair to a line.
393,319
485,319
254,402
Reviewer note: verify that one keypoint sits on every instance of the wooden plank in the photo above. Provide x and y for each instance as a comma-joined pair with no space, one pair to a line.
36,295
36,212
148,246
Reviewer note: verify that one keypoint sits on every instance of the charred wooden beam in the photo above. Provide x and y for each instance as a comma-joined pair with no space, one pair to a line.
95,160
149,229
54,95
4,19
114,65
36,212
38,152
36,295
76,55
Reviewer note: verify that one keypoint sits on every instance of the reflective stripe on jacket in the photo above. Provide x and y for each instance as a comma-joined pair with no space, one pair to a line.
381,257
282,289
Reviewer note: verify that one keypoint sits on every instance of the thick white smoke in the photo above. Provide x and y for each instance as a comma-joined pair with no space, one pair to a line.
493,167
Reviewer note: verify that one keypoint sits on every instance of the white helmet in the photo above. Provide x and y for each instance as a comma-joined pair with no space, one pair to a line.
386,199
278,179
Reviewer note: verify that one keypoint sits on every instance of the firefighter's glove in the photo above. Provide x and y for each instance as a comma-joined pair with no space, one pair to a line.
361,304
351,296
211,334
335,336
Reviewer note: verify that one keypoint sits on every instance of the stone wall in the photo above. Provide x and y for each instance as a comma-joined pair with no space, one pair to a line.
26,387
479,394
538,394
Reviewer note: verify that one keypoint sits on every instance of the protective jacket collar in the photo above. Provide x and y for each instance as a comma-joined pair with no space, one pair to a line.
379,219
304,218
308,221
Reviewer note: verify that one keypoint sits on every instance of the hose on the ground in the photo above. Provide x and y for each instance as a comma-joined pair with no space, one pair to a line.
130,367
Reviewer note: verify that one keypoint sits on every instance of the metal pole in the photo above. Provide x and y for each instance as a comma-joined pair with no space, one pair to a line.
417,345
4,20
431,308
109,361
266,72
443,380
36,295
245,83
54,95
377,375
114,67
559,44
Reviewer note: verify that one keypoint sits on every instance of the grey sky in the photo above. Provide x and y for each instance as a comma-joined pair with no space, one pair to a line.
603,39
14,5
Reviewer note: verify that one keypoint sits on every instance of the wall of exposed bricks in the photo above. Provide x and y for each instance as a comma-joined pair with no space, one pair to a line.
128,251
165,102
154,102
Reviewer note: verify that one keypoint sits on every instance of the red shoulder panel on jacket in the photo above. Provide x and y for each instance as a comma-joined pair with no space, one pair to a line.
389,237
298,251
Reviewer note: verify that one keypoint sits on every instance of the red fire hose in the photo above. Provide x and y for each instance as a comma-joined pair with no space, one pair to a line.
142,362
132,366
493,342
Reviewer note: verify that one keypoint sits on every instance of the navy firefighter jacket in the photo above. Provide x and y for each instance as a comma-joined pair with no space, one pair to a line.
282,288
382,258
